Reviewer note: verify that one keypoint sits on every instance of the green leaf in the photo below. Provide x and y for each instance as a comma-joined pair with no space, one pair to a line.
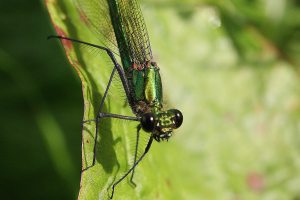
116,140
239,138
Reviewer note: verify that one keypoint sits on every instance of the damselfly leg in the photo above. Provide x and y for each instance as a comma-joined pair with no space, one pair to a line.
133,166
100,114
139,127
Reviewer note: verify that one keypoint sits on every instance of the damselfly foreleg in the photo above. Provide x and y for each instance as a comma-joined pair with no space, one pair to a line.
133,166
139,127
100,115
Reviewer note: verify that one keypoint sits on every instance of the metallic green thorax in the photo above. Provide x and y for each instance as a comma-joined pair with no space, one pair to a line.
134,47
153,87
147,85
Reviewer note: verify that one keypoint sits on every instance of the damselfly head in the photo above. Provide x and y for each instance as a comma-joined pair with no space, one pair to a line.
162,124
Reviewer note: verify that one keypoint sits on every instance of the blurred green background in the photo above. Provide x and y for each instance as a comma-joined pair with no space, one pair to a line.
41,108
235,75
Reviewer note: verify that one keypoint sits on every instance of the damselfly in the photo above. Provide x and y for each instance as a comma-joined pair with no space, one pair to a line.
125,28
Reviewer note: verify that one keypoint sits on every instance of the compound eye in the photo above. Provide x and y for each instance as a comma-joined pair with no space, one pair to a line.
148,122
178,117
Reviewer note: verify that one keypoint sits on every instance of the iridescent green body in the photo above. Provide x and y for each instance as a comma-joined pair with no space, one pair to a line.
141,71
134,47
122,26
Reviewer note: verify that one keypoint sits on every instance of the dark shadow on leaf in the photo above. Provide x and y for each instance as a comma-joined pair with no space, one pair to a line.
105,152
